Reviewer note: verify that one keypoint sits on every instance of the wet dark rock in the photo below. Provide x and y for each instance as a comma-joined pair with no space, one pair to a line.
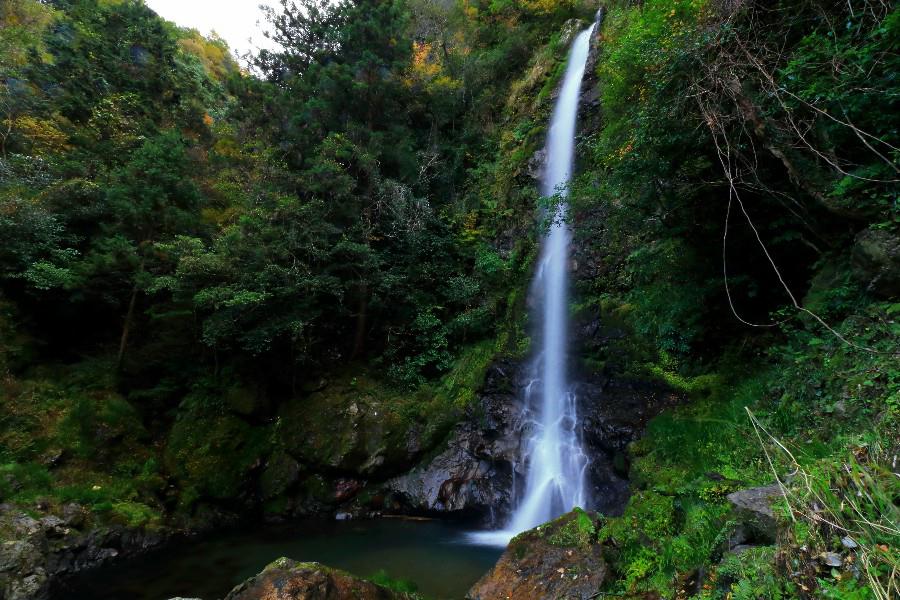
54,526
287,579
589,110
561,559
474,471
346,489
280,473
831,559
73,515
536,164
614,413
245,400
53,457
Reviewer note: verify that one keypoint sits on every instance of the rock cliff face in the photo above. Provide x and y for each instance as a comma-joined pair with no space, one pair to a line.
473,474
478,470
876,261
476,473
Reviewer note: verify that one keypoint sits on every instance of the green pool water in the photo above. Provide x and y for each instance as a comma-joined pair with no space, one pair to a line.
433,554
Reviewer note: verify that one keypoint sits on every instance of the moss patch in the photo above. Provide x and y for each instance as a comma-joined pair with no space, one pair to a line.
212,453
576,530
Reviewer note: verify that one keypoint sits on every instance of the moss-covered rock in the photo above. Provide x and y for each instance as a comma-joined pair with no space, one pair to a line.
560,559
42,544
280,473
876,261
349,427
211,455
753,509
244,399
286,579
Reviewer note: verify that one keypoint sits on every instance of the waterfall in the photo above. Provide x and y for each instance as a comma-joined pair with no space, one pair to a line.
555,462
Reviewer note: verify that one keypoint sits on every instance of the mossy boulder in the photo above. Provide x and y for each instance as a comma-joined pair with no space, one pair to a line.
280,473
560,559
212,455
286,579
876,261
753,509
349,427
244,399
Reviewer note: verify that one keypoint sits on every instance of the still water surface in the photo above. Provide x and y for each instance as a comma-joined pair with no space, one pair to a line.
433,554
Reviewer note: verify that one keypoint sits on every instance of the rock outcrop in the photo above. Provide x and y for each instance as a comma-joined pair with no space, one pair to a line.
286,579
876,261
560,559
37,551
614,413
481,463
473,474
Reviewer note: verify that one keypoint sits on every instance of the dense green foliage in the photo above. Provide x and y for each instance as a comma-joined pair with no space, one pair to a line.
747,156
197,246
201,265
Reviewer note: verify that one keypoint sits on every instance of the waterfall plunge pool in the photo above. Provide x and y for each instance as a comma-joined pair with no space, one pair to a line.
435,555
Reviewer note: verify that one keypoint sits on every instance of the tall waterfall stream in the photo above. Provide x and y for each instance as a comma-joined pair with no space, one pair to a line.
555,462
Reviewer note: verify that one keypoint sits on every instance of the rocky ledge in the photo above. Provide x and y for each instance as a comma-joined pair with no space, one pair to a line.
473,473
35,551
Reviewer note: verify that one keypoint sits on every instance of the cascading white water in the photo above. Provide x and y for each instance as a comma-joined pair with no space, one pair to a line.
555,462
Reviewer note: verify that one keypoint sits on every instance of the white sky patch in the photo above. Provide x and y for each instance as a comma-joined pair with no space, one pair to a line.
239,22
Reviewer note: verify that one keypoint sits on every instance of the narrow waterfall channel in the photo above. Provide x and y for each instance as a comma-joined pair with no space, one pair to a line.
555,461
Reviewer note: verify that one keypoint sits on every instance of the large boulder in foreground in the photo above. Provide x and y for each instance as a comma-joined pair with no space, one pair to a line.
287,579
560,559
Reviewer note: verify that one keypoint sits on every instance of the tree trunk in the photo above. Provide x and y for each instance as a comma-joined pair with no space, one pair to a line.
126,327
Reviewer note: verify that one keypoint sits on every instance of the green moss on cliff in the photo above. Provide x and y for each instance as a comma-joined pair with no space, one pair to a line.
212,453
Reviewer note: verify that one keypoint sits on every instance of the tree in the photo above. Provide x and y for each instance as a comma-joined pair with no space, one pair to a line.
151,198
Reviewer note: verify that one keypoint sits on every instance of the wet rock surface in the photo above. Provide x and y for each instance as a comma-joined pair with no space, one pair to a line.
561,559
614,413
37,551
476,472
286,579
